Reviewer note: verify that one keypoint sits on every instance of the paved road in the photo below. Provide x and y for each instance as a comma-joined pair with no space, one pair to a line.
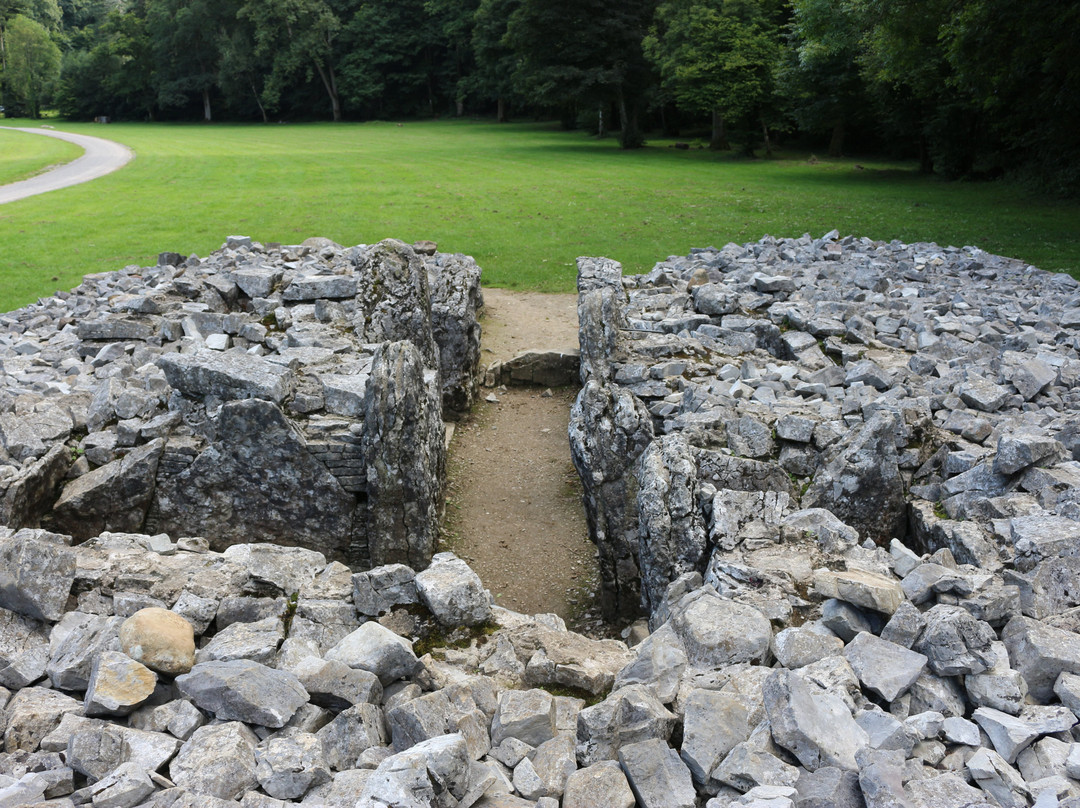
102,157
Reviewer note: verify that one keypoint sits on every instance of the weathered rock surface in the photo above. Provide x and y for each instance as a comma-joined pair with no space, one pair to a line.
257,393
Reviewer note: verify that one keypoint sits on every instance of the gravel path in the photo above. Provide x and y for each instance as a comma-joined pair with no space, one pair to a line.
102,157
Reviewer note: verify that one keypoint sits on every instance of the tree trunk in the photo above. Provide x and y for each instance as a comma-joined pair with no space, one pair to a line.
206,105
926,162
500,115
836,143
629,134
719,141
460,107
330,83
259,102
768,143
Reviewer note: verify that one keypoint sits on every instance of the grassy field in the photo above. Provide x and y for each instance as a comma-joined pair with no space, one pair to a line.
23,156
524,199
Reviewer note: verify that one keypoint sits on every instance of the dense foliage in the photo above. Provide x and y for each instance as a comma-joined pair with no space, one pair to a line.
973,88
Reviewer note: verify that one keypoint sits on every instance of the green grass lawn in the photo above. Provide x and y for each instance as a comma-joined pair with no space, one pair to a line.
23,155
524,199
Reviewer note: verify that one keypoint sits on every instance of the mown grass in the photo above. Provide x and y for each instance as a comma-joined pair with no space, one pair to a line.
524,199
23,155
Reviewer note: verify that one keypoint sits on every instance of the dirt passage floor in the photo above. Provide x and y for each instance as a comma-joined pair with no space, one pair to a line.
514,505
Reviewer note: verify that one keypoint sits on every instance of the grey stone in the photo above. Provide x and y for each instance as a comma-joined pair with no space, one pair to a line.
1067,688
1041,537
1023,448
860,482
1000,687
829,787
717,632
35,576
352,731
802,645
814,726
379,589
1010,735
421,777
748,766
880,778
336,686
846,620
602,783
1032,377
1041,653
126,786
982,395
377,650
657,775
628,715
528,715
659,661
243,690
833,535
114,497
24,650
955,642
74,643
886,731
217,761
287,767
884,667
453,592
228,376
905,626
33,713
714,723
998,779
868,590
257,641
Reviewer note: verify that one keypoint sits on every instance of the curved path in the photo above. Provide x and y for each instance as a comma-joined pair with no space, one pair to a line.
101,157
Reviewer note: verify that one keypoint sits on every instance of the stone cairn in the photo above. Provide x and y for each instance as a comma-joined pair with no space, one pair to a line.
839,476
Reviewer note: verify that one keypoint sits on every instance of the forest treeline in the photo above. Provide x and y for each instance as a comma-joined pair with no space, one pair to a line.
972,88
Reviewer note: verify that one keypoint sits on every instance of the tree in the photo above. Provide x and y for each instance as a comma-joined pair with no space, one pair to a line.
185,37
819,74
492,78
571,52
717,57
33,62
296,37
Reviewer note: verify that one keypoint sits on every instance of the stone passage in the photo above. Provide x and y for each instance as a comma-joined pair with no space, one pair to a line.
285,394
908,390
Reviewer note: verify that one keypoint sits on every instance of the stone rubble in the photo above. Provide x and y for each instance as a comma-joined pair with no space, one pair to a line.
293,394
796,653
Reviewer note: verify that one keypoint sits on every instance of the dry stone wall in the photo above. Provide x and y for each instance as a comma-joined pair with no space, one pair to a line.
287,394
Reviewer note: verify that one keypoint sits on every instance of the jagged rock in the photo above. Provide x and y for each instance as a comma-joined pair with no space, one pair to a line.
714,723
868,590
32,714
24,650
1000,687
229,376
335,685
429,774
257,479
1009,734
660,662
217,761
717,632
802,645
35,575
256,641
453,592
1040,653
998,779
602,783
352,731
287,767
160,639
377,650
861,483
955,642
74,644
814,726
528,715
243,690
568,659
884,667
118,685
657,775
817,523
829,787
628,715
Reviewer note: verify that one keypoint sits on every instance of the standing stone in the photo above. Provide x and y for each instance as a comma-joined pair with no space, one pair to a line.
861,482
404,454
657,775
160,639
257,479
35,576
815,726
609,429
672,538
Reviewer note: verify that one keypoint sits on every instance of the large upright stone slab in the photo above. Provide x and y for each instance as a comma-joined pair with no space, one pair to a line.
257,480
